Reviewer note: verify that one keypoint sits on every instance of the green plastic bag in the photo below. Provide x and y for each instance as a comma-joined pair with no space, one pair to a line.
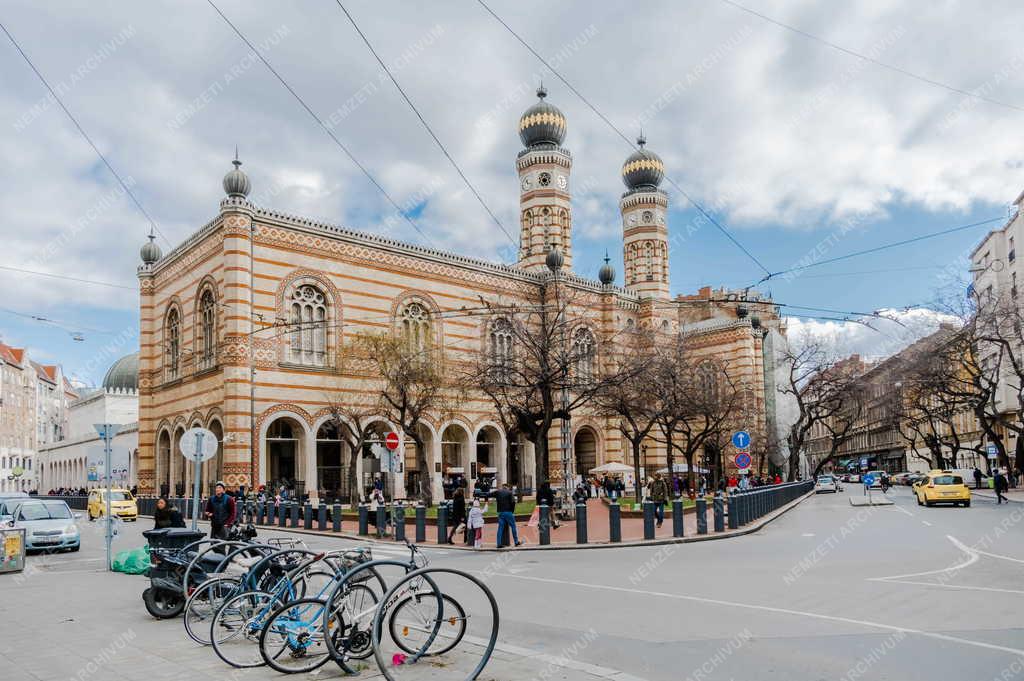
132,562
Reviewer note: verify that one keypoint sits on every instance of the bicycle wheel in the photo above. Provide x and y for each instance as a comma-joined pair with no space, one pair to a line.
414,620
293,640
203,604
235,629
352,617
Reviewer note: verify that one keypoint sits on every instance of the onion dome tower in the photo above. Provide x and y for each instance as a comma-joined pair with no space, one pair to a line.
236,182
544,200
150,252
606,275
644,209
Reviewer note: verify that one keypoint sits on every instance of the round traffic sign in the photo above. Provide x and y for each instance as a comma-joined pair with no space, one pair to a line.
869,479
741,439
742,460
198,444
391,441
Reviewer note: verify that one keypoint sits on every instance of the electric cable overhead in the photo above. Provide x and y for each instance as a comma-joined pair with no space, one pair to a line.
872,60
67,278
323,125
867,251
618,132
85,135
426,125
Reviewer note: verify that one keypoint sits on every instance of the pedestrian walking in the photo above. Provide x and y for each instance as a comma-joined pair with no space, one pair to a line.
977,478
1001,485
166,515
458,515
475,523
659,495
220,511
506,505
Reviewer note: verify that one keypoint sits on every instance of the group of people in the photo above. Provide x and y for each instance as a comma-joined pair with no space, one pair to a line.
469,519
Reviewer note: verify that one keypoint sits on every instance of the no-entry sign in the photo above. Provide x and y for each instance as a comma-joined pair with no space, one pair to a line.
391,441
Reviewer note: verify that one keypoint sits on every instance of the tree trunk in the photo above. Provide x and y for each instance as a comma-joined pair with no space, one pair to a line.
638,483
670,460
540,454
354,493
426,490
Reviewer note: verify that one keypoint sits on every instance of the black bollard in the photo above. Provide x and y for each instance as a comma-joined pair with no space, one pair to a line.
282,514
336,518
295,513
719,505
321,517
702,515
734,511
442,523
648,519
544,524
677,518
421,523
307,516
261,508
581,523
399,522
364,520
614,522
382,520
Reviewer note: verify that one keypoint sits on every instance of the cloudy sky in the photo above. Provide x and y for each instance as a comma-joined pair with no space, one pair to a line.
802,151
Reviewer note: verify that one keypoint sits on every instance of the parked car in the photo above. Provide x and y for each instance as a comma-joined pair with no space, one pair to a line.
942,487
122,504
900,478
48,523
8,500
825,483
854,477
912,478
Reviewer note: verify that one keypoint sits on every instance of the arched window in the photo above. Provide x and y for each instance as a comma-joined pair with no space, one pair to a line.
649,260
500,347
707,382
545,217
664,263
527,228
207,330
172,340
583,351
308,319
415,321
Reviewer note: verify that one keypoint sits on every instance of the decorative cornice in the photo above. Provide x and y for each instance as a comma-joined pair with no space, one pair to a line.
636,198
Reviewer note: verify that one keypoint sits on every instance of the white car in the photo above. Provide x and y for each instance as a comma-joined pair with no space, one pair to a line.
826,483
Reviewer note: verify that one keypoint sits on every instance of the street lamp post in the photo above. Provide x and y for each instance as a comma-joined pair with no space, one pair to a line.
554,262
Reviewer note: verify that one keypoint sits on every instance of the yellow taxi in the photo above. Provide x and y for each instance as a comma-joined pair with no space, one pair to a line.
122,504
942,487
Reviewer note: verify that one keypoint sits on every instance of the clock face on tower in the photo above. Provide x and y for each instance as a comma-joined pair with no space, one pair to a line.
527,183
632,219
562,182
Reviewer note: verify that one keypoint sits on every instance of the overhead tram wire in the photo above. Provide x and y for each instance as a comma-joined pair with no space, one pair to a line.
426,125
84,134
876,249
79,280
872,60
632,146
309,110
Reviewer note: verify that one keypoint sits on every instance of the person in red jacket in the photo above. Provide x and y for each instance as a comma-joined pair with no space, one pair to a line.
778,479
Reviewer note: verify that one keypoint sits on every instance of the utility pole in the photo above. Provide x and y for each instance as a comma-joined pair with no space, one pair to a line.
107,431
554,262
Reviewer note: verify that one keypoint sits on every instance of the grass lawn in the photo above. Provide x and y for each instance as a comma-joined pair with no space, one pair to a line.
629,501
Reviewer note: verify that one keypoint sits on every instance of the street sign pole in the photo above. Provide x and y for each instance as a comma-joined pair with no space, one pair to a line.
197,471
107,431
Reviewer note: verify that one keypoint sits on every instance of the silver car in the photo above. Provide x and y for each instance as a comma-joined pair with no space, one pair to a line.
48,523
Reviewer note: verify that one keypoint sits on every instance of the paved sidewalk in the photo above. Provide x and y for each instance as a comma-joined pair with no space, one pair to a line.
1014,494
73,622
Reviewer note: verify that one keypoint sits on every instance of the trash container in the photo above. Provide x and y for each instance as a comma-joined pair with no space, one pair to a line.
172,537
12,550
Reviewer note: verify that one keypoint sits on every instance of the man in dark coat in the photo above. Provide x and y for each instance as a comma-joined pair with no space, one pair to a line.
220,511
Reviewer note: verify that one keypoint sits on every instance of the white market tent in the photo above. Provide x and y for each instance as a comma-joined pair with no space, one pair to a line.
613,467
682,468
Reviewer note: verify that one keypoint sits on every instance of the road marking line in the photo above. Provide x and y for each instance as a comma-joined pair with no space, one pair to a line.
957,586
557,660
807,534
926,523
972,558
903,510
996,555
784,611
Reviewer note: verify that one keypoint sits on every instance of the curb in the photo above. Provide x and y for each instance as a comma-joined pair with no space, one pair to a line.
690,539
1008,498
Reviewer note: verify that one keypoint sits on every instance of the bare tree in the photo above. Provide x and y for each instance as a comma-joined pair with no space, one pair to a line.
410,385
850,401
634,401
712,399
535,352
349,414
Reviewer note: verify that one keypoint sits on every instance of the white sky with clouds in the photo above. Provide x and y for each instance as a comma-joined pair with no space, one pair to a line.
779,134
